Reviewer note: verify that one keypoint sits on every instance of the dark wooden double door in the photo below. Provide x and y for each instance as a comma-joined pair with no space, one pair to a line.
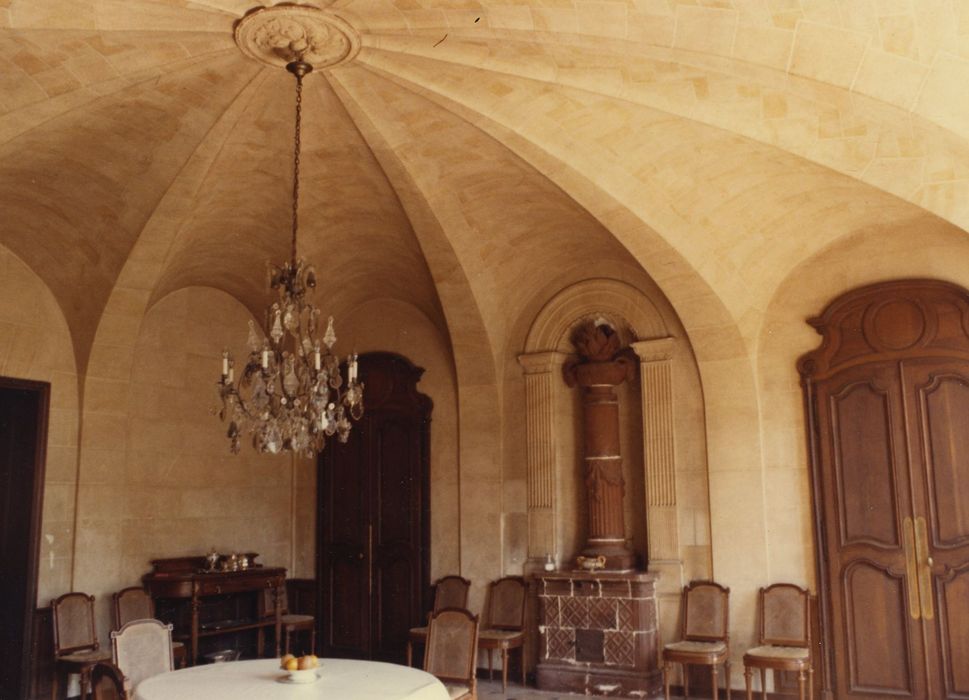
888,400
373,518
23,439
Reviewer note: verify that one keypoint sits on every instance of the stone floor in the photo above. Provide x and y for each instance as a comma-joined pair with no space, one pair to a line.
491,690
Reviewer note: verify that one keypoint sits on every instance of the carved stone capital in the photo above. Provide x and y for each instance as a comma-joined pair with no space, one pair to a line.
280,34
654,350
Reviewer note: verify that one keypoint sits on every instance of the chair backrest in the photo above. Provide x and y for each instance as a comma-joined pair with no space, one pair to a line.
141,649
452,645
706,611
131,604
107,682
451,592
784,615
73,617
506,603
267,603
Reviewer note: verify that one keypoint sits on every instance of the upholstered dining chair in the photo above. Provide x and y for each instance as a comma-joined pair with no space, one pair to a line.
452,651
107,682
449,592
291,623
142,649
76,647
135,603
785,638
705,635
504,625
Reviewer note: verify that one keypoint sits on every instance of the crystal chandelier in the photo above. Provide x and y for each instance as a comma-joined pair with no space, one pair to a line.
291,394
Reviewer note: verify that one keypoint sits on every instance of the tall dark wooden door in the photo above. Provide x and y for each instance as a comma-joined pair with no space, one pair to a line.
23,436
887,395
374,517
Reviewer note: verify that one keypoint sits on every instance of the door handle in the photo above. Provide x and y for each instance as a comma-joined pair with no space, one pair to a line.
911,569
924,568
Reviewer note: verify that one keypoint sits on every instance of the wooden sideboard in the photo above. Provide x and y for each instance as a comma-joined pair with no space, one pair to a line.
200,603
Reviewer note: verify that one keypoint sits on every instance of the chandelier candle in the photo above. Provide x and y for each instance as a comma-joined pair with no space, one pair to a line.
291,395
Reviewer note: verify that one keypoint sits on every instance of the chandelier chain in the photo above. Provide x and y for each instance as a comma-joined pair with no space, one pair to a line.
297,144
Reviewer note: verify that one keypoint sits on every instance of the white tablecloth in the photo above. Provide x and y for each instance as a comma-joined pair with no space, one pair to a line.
340,679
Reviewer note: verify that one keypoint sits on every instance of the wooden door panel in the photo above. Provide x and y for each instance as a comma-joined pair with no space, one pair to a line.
944,402
345,573
868,509
877,634
864,457
952,597
942,391
397,534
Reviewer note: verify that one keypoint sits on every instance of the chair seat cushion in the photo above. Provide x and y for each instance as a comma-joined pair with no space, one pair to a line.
778,652
86,657
293,619
697,647
455,691
498,639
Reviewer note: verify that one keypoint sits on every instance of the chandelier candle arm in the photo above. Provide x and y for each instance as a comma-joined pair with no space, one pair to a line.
291,395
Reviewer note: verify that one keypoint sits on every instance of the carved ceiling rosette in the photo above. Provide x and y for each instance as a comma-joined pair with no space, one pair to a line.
282,33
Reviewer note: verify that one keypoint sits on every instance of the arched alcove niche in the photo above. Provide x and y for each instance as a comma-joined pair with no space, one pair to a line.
662,429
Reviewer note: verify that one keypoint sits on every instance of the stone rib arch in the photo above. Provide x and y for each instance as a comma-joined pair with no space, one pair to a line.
622,301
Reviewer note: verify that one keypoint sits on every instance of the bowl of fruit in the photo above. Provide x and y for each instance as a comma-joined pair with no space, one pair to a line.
300,669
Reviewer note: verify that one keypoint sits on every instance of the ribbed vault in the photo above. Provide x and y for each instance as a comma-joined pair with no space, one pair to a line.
745,137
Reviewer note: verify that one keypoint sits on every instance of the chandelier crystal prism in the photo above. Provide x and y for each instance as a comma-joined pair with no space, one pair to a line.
290,396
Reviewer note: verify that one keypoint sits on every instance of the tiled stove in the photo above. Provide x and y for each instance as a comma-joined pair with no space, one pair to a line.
599,634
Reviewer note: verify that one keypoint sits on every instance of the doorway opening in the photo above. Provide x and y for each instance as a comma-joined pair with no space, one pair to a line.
23,439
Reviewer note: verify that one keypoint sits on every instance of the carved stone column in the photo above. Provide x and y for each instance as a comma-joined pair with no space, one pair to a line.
602,366
541,370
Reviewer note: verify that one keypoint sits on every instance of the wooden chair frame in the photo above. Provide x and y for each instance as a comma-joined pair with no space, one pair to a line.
471,677
418,635
134,624
504,643
178,648
293,625
106,669
802,666
65,666
710,658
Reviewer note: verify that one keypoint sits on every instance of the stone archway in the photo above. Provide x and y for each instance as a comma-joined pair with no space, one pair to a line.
662,357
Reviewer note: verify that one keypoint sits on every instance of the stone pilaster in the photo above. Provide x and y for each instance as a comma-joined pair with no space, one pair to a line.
542,371
659,456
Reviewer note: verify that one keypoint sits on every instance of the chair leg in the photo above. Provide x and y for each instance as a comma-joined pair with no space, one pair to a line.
666,679
747,682
59,677
504,670
713,682
686,680
801,684
763,684
491,670
726,668
313,640
811,683
261,643
410,652
521,657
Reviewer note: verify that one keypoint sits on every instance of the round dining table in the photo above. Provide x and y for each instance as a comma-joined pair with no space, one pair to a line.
346,679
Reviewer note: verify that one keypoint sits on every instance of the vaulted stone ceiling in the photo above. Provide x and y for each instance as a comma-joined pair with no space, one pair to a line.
474,156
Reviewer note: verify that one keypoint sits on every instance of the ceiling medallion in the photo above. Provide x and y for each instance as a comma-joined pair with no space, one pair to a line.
268,34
